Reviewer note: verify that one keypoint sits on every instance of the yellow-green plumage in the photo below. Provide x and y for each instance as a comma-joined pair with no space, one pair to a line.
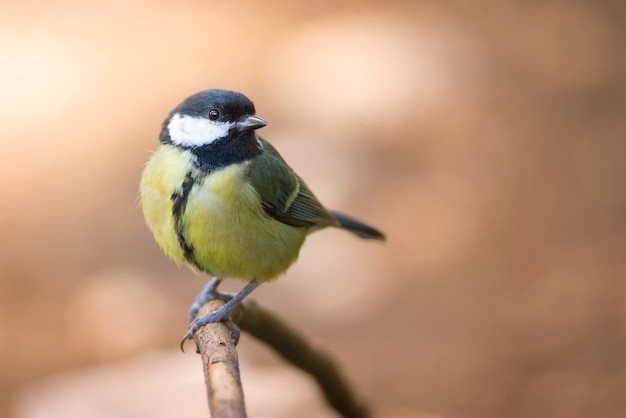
222,200
224,222
162,175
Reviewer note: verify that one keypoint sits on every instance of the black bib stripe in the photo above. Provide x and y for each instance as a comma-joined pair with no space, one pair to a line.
179,199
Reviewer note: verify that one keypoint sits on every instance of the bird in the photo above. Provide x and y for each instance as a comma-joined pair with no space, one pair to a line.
220,199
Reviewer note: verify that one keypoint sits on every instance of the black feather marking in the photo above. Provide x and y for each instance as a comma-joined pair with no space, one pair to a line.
235,148
179,199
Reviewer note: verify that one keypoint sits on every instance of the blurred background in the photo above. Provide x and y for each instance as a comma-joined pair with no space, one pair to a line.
485,138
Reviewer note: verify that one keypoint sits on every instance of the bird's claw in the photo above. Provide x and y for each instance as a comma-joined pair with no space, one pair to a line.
216,316
207,294
220,314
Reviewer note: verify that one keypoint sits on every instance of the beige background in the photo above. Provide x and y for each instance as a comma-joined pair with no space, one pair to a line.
485,138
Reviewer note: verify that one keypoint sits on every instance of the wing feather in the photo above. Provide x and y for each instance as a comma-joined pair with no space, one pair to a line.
284,195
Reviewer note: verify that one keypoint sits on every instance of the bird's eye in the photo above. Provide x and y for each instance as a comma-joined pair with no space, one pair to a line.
214,114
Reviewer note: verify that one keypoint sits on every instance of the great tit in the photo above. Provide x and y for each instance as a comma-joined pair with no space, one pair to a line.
221,199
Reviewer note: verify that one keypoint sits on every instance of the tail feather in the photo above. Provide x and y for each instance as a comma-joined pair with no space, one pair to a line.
357,227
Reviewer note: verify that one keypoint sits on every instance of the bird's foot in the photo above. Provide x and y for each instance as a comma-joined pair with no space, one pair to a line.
220,314
208,293
216,316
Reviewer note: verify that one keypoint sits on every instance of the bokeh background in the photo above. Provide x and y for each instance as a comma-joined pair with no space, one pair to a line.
487,139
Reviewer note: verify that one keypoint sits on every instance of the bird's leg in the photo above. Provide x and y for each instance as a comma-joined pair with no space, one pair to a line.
221,313
208,293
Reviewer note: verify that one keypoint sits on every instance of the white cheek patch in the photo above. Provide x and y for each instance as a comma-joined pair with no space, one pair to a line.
195,131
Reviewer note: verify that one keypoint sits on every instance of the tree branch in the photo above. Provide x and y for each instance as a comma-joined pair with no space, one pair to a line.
215,344
221,367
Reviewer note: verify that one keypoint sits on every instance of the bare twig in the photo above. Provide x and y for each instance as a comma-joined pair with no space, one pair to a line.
268,328
221,367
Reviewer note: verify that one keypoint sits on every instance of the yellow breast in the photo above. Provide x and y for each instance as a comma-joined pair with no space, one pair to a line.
161,177
223,220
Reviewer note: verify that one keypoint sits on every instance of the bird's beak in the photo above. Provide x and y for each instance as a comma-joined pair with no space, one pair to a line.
250,123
